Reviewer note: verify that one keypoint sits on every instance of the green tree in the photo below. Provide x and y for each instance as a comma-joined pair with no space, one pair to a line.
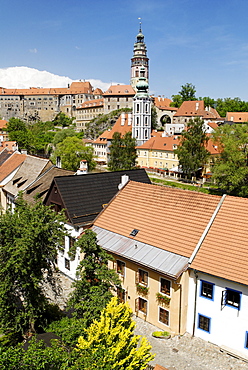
29,239
62,135
122,152
154,118
230,171
62,120
71,151
187,92
112,341
192,153
95,280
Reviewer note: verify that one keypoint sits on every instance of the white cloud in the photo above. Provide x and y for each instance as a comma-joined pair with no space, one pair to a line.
33,50
25,77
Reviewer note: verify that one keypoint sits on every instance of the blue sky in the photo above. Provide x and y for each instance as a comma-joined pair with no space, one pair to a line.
203,42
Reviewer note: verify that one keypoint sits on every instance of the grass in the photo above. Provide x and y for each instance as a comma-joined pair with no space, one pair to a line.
159,334
175,184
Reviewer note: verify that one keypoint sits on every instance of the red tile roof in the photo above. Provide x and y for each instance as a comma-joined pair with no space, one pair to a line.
168,218
91,104
3,123
118,127
237,116
11,164
224,250
195,108
120,90
162,102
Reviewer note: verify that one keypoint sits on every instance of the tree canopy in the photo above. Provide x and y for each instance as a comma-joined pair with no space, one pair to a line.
95,280
112,339
187,92
29,239
192,153
71,151
230,171
122,152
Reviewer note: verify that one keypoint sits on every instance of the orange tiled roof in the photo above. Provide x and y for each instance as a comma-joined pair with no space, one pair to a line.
3,123
74,88
118,127
224,250
97,92
11,164
91,104
9,144
120,90
195,108
168,218
161,102
237,116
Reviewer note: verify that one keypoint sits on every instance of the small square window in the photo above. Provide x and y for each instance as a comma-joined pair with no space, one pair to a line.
165,286
142,277
164,316
232,298
67,264
207,289
204,323
142,305
120,265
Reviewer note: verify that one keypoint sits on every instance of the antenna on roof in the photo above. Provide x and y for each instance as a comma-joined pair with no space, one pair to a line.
140,24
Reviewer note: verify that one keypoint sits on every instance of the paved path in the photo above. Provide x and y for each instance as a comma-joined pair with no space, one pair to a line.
185,352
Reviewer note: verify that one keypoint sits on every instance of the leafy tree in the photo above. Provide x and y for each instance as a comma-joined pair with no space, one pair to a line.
62,120
122,152
71,151
187,92
192,153
154,118
95,280
230,171
62,135
29,239
112,341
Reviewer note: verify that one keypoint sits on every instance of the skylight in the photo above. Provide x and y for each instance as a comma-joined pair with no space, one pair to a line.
134,232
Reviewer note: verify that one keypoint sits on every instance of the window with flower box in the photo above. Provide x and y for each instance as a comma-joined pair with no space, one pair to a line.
165,286
164,316
120,267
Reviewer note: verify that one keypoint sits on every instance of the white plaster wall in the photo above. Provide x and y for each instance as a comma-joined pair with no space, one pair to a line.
64,254
228,325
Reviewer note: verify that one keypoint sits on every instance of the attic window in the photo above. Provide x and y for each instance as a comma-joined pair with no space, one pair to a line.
164,144
134,232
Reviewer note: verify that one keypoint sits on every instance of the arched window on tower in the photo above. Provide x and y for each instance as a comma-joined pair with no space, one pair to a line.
142,73
146,108
137,73
137,134
146,134
146,121
137,108
137,121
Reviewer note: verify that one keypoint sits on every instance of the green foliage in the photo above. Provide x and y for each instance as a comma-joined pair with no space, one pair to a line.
230,171
192,153
95,280
159,334
29,238
71,151
187,92
154,118
68,329
112,340
62,135
62,120
122,152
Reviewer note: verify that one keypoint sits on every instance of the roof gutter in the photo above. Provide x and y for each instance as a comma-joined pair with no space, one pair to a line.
207,229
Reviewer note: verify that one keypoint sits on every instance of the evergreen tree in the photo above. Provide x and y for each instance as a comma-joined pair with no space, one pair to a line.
29,239
111,343
192,153
95,280
122,152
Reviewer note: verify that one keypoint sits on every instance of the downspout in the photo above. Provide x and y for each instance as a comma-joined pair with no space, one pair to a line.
196,281
180,308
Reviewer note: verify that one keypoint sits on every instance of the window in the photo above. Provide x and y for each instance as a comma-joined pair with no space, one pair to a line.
71,242
67,264
120,265
232,298
207,290
164,316
121,294
165,286
204,323
142,305
246,339
142,277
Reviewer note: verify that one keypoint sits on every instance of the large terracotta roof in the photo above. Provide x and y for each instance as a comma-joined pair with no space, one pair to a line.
223,252
120,90
91,103
162,102
237,116
74,88
3,123
195,108
168,218
122,125
11,164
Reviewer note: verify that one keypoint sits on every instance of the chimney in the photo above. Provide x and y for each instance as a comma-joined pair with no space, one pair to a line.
83,169
58,162
197,105
124,180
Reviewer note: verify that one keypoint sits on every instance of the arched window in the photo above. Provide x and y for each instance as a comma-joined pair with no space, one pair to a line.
137,121
137,108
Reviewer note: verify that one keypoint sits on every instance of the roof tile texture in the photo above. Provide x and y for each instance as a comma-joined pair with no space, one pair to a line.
224,250
170,219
